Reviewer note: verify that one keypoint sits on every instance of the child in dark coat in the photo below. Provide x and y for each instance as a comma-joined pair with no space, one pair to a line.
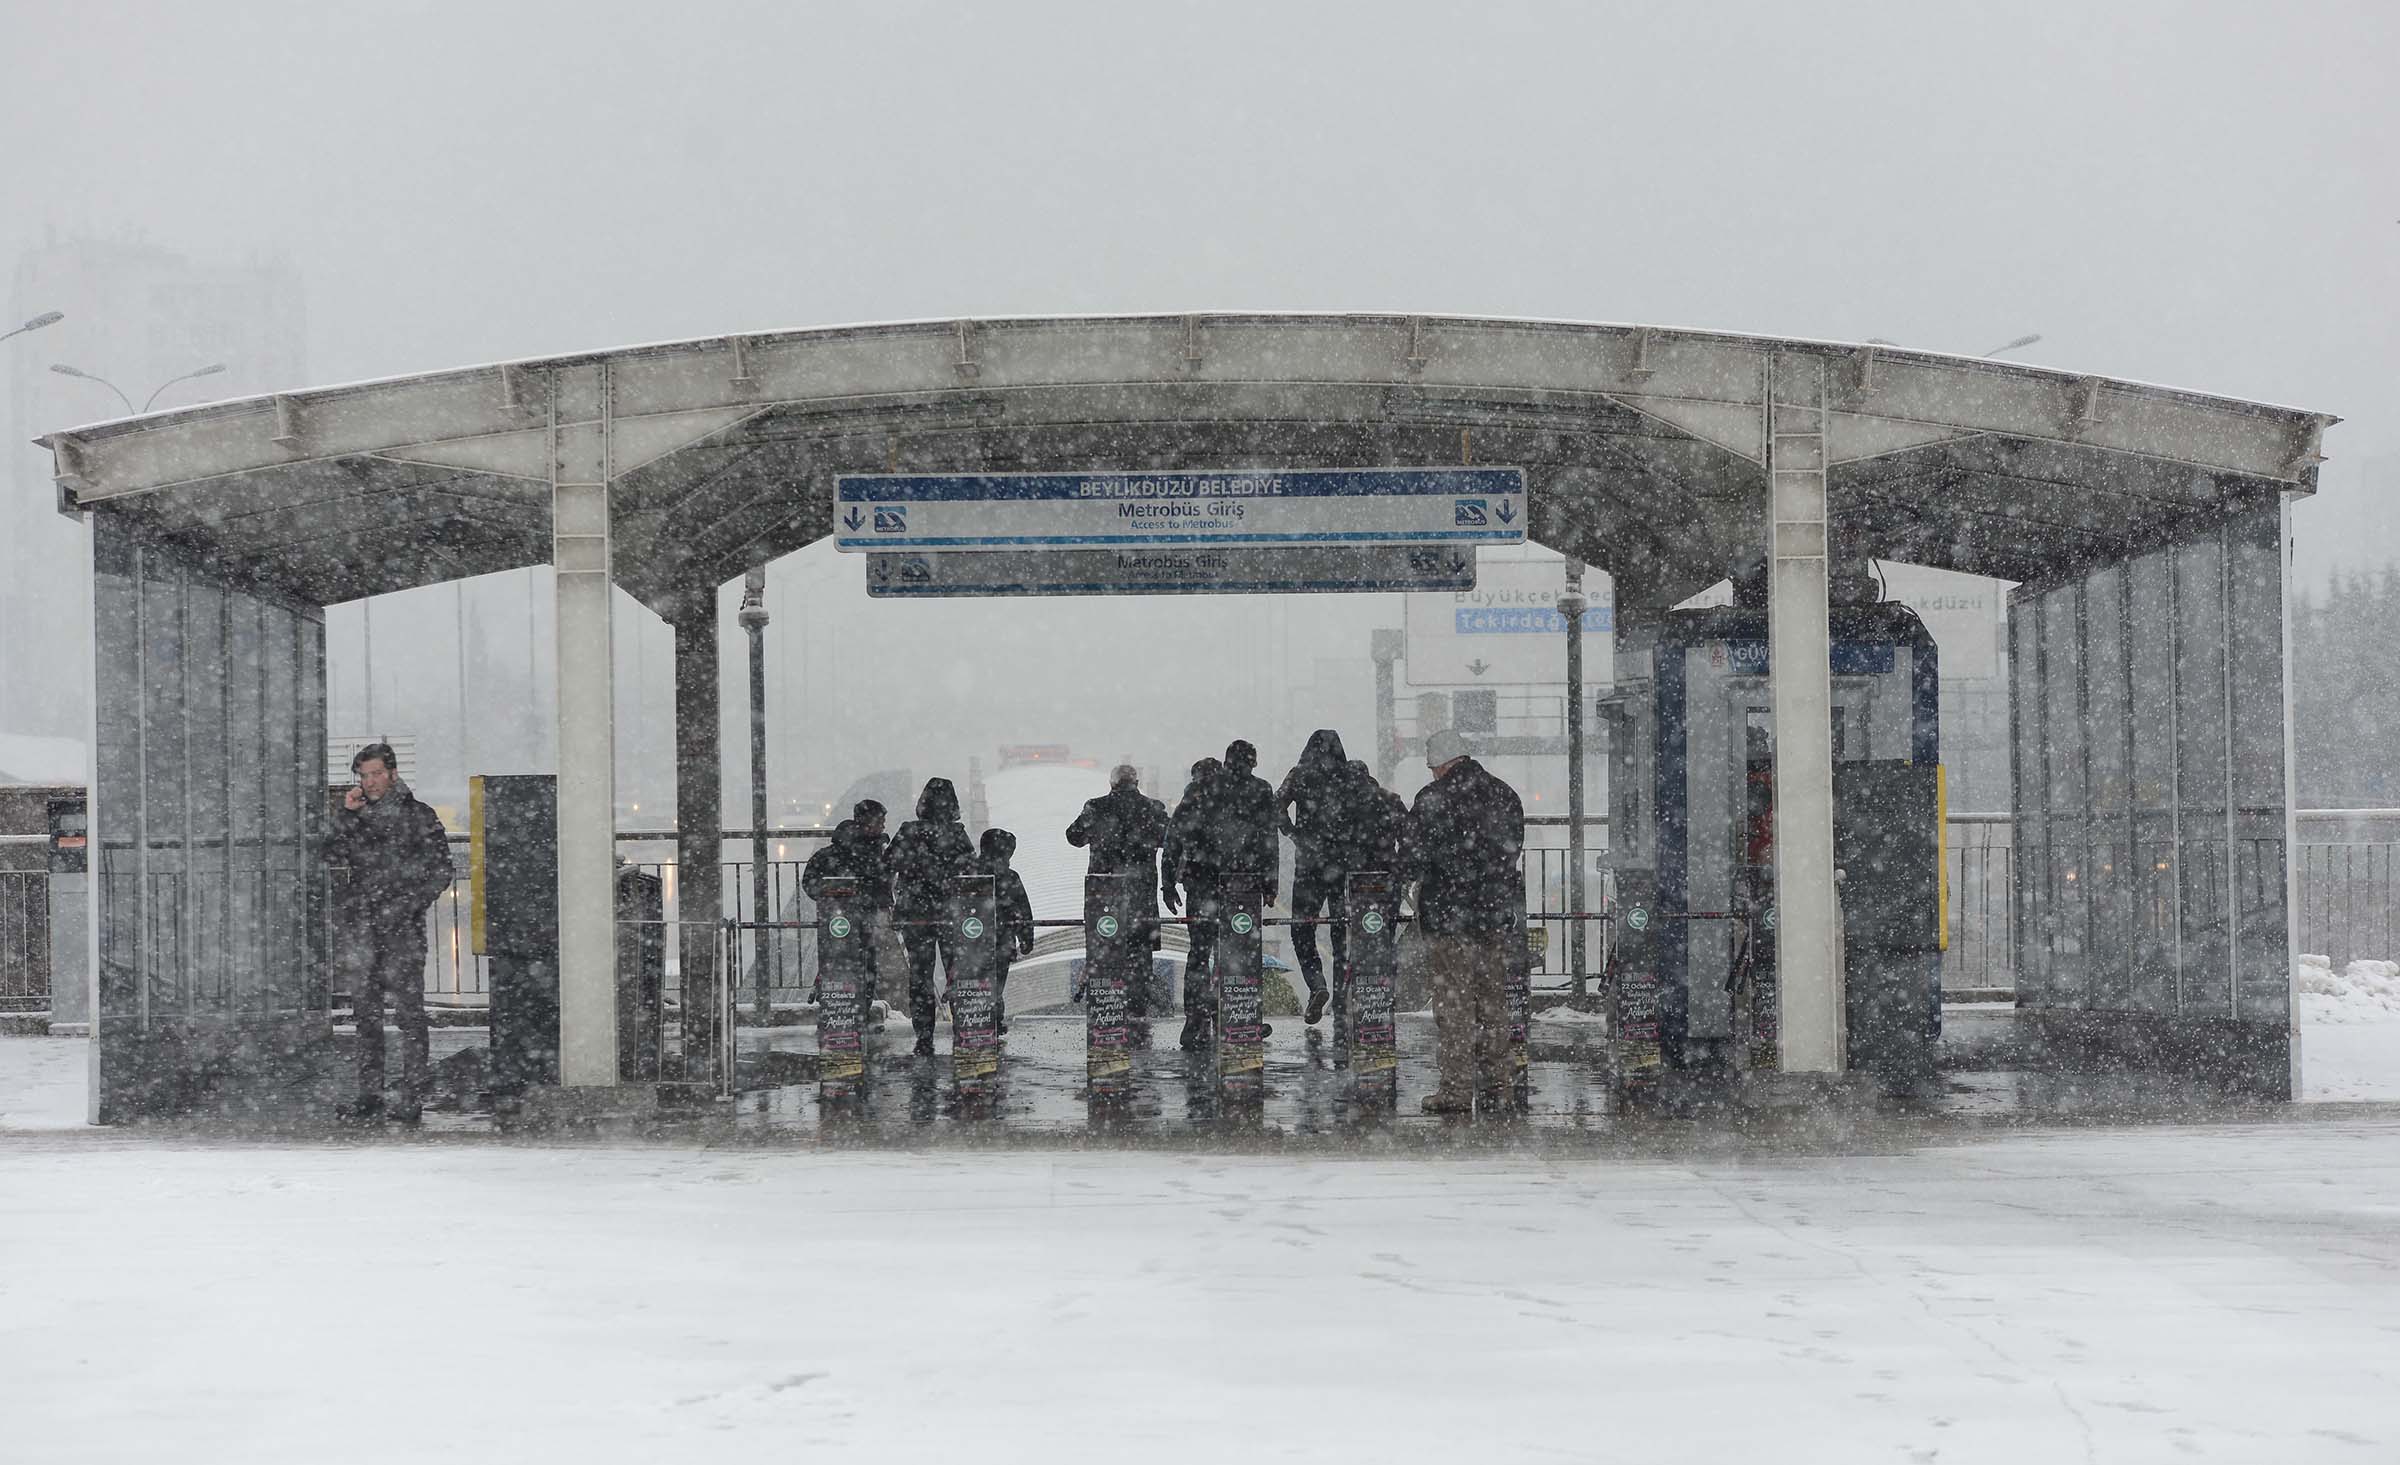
1014,908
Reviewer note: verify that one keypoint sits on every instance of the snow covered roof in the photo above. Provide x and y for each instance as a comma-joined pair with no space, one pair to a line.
1643,446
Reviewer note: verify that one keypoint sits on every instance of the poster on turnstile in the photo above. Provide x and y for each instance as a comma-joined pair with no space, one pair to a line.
1372,907
1241,995
845,933
1520,1022
1633,962
974,985
1766,994
1114,941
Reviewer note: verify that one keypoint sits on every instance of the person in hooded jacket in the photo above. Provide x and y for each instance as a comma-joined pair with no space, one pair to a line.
1313,805
926,853
859,853
1188,876
1124,829
1375,822
1014,909
398,859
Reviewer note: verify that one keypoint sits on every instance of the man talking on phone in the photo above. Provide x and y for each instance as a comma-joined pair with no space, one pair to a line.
398,860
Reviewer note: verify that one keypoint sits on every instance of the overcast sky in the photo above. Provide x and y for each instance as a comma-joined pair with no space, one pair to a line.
2200,195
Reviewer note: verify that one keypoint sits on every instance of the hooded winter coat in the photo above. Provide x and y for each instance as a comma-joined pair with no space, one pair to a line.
850,855
1465,841
1015,907
397,855
1315,800
1244,819
927,851
1375,815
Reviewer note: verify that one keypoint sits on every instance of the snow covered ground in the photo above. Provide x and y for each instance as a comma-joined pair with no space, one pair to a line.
2098,1295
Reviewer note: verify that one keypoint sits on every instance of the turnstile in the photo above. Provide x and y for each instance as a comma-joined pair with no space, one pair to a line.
1117,911
846,930
1371,906
974,980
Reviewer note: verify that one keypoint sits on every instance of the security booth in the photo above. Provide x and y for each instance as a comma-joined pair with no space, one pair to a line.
2146,528
1693,819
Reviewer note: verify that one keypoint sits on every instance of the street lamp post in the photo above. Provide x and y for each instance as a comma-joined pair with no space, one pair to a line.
46,318
79,374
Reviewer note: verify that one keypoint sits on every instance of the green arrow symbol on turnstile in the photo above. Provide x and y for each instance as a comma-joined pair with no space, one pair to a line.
1242,923
839,926
972,926
1769,918
1108,925
1638,918
1373,921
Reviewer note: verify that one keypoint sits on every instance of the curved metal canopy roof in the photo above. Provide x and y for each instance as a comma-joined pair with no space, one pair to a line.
1644,447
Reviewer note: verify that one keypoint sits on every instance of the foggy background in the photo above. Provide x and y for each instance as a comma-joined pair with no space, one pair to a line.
2202,196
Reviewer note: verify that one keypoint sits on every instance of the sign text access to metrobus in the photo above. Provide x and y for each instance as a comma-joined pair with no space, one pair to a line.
1244,508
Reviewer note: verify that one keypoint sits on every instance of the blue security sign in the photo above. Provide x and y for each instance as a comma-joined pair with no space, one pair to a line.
1246,508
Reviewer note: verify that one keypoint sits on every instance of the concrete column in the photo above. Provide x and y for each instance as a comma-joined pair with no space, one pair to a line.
699,829
581,433
1800,651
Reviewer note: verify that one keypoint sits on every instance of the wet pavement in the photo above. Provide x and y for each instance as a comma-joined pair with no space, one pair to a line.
1306,1100
1043,1088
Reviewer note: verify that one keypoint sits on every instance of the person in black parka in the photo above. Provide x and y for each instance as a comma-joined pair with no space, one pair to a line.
398,861
926,853
1313,804
859,853
1015,911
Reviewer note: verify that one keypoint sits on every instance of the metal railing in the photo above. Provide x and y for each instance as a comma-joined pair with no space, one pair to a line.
2349,908
24,940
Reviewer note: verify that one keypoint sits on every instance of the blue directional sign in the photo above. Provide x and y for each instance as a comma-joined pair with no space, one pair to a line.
1202,570
1246,508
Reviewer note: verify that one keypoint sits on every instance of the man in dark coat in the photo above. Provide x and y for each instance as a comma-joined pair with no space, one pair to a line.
857,853
1463,845
1014,909
1374,838
1313,804
1124,829
398,859
926,853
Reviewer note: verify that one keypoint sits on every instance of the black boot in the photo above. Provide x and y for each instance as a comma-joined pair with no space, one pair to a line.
1195,1033
1317,998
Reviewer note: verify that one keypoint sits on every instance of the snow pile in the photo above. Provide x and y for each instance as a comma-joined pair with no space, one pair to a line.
2365,991
1572,1017
43,1082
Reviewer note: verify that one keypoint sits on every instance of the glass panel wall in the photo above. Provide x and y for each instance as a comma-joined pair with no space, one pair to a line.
2152,784
209,810
2255,589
